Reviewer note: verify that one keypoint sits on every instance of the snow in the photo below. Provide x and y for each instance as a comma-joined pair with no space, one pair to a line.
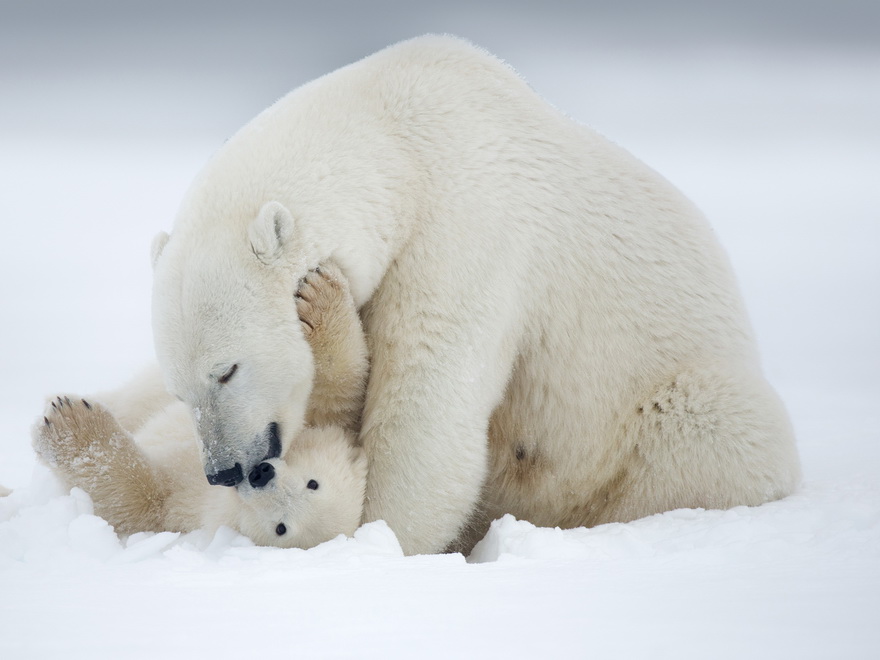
777,140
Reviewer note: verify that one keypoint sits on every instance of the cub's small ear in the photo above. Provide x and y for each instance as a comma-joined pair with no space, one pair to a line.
157,246
270,232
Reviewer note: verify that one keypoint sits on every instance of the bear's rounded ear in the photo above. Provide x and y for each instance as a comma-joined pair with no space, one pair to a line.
270,232
157,246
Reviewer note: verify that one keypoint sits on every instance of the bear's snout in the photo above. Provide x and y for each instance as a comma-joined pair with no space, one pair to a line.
261,475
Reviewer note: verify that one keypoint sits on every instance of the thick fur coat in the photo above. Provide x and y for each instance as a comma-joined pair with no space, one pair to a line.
555,332
135,450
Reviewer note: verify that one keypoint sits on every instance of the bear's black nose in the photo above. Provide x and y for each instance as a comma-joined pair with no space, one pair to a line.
261,475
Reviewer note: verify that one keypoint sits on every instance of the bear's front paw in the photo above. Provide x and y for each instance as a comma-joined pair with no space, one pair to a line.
74,431
322,297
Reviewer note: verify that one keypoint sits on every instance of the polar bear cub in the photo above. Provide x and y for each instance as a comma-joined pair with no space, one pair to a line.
142,467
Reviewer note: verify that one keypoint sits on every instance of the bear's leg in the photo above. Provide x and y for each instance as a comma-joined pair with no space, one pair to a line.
87,447
713,437
333,329
439,365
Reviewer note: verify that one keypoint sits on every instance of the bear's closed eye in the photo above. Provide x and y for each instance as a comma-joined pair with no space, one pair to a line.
229,374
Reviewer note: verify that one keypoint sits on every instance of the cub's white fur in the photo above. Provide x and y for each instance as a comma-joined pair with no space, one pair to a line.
137,453
554,330
152,480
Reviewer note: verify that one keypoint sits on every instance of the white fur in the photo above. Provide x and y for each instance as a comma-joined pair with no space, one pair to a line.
152,479
327,455
554,331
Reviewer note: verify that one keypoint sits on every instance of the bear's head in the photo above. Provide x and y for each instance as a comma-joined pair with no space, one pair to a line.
316,494
228,338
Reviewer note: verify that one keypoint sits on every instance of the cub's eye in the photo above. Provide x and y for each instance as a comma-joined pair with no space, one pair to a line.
312,485
281,530
229,374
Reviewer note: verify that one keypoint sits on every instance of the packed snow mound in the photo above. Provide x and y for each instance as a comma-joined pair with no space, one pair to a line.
836,521
41,524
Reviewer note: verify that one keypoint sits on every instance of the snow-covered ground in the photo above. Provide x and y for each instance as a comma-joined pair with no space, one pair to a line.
778,142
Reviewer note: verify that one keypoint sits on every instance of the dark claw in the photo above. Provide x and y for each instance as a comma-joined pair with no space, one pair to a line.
46,419
67,401
86,404
54,406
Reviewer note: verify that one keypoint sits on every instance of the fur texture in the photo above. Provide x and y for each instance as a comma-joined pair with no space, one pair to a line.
137,454
554,331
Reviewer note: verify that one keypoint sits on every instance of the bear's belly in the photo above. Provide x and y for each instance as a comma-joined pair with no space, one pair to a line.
549,459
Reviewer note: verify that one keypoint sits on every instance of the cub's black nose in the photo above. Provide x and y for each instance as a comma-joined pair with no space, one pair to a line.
228,477
261,475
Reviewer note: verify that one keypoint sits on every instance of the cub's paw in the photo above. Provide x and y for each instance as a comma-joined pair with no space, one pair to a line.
323,300
74,433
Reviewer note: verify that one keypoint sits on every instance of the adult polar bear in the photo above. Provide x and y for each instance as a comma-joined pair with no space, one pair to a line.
554,331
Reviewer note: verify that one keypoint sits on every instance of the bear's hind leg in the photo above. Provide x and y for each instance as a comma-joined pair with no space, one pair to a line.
713,437
86,446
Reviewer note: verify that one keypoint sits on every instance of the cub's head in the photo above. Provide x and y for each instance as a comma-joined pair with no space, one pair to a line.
229,340
317,492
